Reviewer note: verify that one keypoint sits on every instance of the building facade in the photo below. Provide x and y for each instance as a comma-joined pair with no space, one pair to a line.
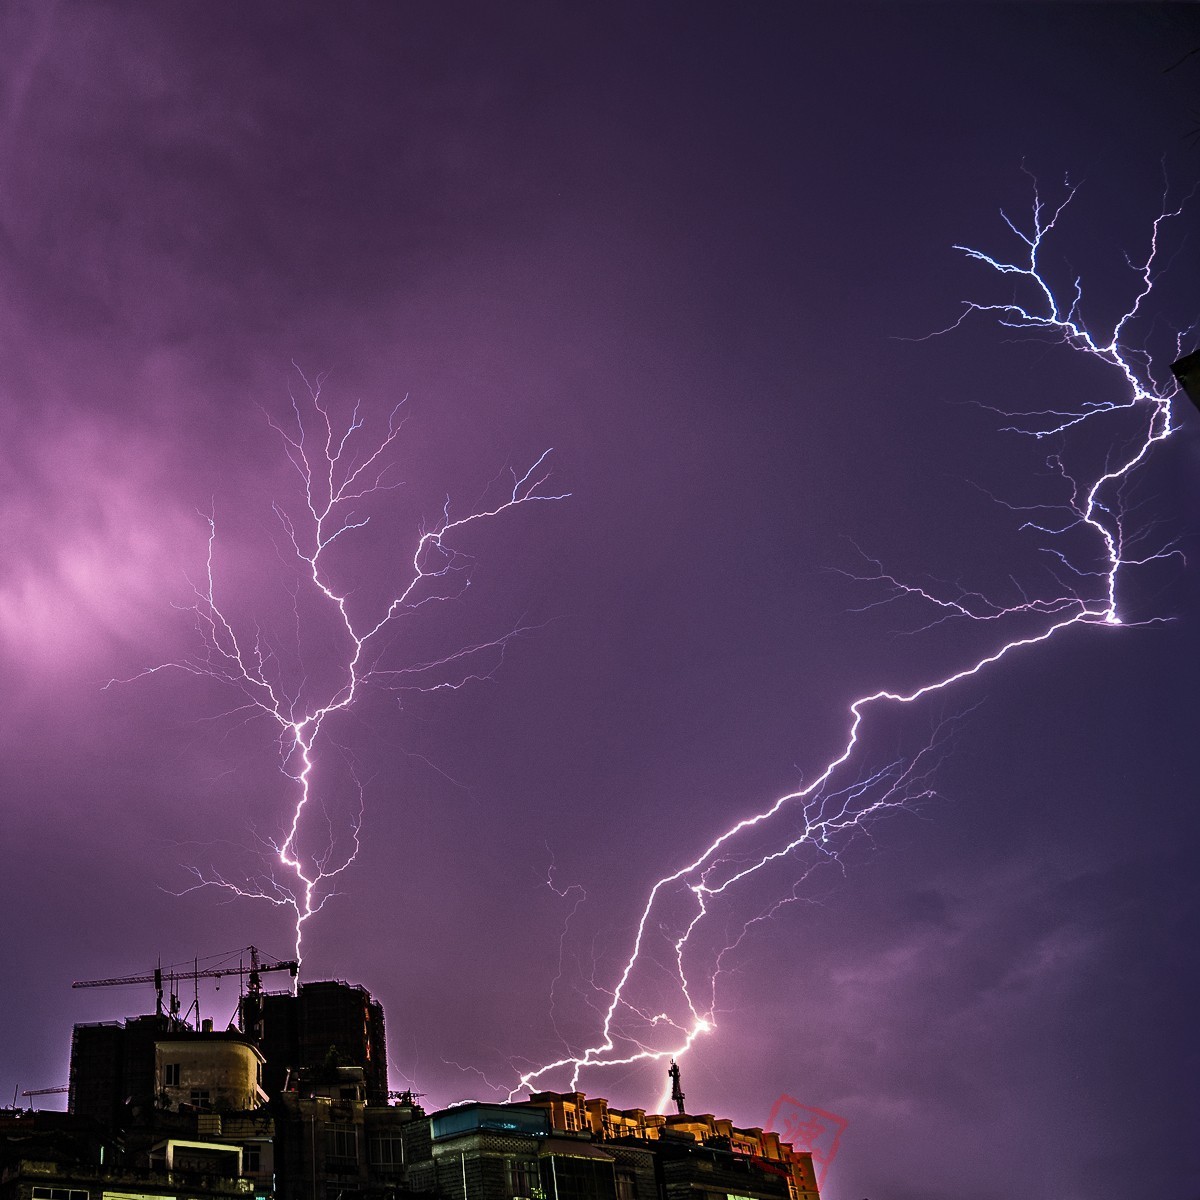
331,1144
675,1137
563,1146
323,1022
297,1108
59,1156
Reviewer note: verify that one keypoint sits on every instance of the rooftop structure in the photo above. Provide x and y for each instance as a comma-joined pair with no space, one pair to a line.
298,1105
677,1135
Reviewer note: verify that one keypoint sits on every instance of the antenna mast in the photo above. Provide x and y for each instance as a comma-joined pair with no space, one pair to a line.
676,1090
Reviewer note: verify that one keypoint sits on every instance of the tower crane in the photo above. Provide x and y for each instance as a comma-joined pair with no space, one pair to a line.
256,969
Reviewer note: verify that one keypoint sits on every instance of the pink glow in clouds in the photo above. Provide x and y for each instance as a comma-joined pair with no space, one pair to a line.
97,547
275,673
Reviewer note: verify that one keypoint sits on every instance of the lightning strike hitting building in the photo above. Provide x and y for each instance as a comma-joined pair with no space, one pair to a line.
1084,529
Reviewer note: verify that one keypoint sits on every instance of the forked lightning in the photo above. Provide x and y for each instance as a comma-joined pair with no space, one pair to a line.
809,825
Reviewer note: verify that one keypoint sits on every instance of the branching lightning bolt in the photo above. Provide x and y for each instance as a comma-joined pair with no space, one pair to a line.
335,475
809,826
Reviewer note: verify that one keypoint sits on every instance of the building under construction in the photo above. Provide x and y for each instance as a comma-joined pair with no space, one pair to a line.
323,1023
256,1102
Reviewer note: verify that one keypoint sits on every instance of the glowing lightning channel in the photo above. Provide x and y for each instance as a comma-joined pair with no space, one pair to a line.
840,802
335,476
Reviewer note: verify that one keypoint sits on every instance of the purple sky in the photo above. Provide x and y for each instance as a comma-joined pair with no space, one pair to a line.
683,245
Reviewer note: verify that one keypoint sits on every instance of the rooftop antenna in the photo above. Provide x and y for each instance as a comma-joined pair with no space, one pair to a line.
676,1090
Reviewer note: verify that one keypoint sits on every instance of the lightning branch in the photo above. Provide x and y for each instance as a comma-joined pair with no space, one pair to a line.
340,471
1091,540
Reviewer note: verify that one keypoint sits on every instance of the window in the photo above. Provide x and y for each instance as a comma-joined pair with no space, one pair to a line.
523,1178
251,1158
58,1193
341,1144
584,1178
201,1098
171,1075
626,1185
386,1150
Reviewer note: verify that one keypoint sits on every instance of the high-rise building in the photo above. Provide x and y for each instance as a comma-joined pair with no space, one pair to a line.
324,1024
112,1069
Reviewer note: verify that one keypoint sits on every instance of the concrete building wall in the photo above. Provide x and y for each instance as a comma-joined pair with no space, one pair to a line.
208,1071
490,1165
300,1031
325,1146
768,1158
96,1088
27,1179
633,1170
